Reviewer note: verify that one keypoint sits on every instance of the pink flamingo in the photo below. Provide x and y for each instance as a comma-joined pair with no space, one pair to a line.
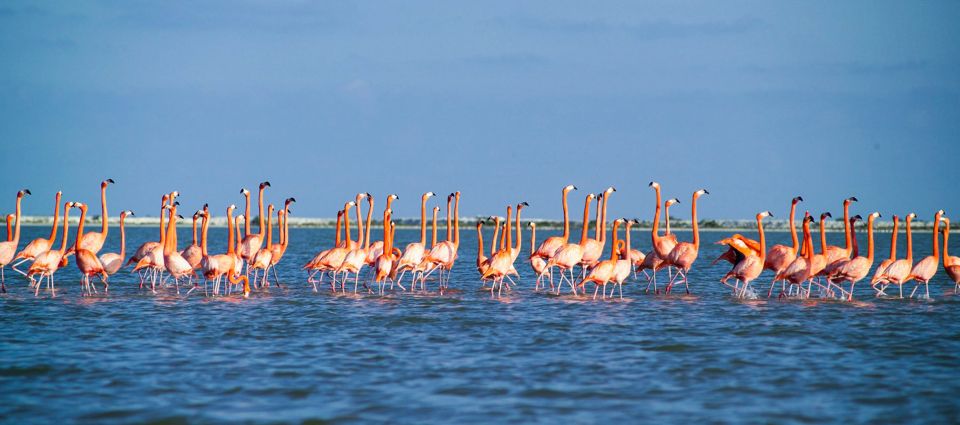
46,264
414,252
571,254
176,265
898,272
858,268
93,241
751,266
538,264
781,256
336,242
550,245
501,262
9,248
593,249
800,269
924,270
950,264
604,270
835,253
878,273
684,254
385,262
251,243
261,260
112,262
39,245
148,246
192,252
376,248
87,260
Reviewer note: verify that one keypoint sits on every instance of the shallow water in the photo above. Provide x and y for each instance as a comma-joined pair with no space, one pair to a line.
292,355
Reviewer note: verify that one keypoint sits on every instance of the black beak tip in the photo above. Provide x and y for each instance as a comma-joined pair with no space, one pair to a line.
110,181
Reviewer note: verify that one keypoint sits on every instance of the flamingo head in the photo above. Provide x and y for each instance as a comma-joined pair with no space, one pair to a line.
797,199
856,218
939,213
69,204
591,195
849,200
532,225
82,206
807,218
231,208
764,214
701,192
671,202
610,190
104,183
393,196
436,209
522,204
174,194
23,192
125,213
290,200
874,215
264,185
197,214
360,196
428,195
457,194
351,204
244,191
59,193
654,185
911,216
568,188
825,215
636,221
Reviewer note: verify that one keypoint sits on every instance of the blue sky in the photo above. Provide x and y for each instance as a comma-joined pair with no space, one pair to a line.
505,101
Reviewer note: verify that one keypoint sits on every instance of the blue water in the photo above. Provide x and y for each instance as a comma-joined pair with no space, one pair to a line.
293,355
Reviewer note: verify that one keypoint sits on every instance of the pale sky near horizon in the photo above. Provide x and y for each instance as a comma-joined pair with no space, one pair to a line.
757,101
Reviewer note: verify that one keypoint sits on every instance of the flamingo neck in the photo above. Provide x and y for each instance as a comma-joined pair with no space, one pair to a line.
123,237
16,230
203,234
171,242
909,241
793,227
104,228
269,230
66,227
763,239
519,242
433,241
366,236
596,219
656,219
56,215
586,222
533,240
936,236
230,229
496,236
337,238
893,239
696,225
508,229
246,215
259,211
614,251
346,224
359,226
83,217
456,220
195,230
847,234
449,223
870,239
823,238
423,221
479,242
566,218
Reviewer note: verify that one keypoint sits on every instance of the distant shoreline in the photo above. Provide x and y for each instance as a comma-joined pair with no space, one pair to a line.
468,223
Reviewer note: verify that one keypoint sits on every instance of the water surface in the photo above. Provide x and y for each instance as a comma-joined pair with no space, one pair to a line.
292,355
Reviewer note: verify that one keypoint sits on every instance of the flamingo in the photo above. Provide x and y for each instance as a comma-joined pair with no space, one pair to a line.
781,256
856,269
153,260
683,254
421,267
93,241
633,255
800,269
175,264
356,258
8,248
376,248
550,245
571,254
148,246
39,245
46,264
538,264
604,270
442,256
835,254
261,260
112,262
336,242
751,266
332,260
924,270
662,245
878,273
87,260
283,227
385,262
624,264
215,267
950,264
593,249
501,262
413,254
192,252
481,258
898,272
251,243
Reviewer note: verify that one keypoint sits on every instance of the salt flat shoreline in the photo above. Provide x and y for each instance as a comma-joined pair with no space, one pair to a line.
468,223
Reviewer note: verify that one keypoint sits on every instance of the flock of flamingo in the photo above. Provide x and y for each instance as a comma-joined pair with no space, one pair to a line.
249,257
